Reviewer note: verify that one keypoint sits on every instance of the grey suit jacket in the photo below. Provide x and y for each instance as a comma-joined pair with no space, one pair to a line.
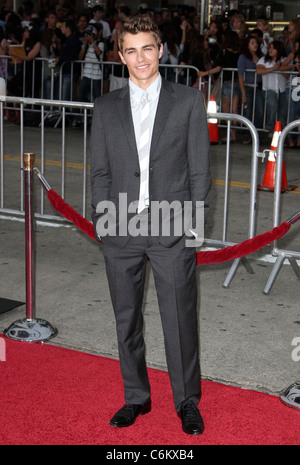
179,154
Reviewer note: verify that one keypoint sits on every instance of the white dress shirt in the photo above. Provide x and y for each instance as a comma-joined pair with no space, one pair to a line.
136,94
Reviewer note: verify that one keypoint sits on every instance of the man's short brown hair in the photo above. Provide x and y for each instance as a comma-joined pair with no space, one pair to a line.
136,24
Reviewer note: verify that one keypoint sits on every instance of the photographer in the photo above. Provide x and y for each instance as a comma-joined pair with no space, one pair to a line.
91,52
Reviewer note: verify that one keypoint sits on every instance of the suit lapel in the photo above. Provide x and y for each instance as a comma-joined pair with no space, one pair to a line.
165,104
124,109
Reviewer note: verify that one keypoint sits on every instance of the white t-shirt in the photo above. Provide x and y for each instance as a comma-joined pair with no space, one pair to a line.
93,70
272,81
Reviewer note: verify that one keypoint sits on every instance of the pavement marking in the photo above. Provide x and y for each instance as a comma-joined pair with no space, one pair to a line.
217,182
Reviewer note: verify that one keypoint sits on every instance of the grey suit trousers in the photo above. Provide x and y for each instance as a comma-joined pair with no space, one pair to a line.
174,271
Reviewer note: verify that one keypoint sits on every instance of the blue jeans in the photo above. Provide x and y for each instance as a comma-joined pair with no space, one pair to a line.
276,109
85,87
47,87
259,106
67,88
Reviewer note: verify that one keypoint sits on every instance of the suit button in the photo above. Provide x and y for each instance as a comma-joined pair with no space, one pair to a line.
137,174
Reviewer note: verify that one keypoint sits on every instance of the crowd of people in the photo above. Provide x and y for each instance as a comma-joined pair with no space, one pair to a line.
261,60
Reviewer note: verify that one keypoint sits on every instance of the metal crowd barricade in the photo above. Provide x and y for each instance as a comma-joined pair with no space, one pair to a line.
23,102
281,254
182,74
255,154
42,216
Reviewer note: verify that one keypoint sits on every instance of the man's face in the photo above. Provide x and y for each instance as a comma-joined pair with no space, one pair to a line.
141,55
98,14
51,20
65,30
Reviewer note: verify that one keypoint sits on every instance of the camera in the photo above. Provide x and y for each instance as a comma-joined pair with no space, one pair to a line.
90,31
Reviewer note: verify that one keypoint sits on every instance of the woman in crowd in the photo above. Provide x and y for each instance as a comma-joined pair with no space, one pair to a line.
263,25
201,59
172,50
293,35
32,46
274,85
240,26
231,90
49,50
250,84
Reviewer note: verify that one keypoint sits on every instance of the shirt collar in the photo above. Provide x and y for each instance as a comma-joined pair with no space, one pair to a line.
153,90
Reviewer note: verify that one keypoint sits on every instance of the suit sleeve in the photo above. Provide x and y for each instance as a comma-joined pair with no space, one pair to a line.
199,155
100,168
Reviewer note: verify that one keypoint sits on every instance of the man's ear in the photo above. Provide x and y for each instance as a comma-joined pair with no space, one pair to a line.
161,49
122,58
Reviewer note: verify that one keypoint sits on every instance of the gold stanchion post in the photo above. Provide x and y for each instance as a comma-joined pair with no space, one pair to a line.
30,329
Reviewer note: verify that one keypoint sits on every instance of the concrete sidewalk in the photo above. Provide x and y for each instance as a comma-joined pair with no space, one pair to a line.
245,336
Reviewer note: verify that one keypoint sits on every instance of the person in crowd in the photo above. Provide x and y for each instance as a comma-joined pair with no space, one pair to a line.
91,52
231,15
32,46
186,75
50,51
263,25
13,35
25,12
292,63
69,53
250,84
196,23
273,84
201,59
59,13
119,74
165,20
82,23
3,63
172,50
231,90
98,14
240,27
123,13
51,23
258,34
294,35
284,36
213,34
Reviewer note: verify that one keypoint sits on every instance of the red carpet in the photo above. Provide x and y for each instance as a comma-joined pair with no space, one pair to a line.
54,396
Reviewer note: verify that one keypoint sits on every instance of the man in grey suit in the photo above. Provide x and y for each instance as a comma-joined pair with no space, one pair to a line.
133,168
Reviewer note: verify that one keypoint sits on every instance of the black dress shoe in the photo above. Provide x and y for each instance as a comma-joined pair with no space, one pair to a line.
191,419
126,415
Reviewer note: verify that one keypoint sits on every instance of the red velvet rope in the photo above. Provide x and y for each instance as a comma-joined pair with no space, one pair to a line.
203,258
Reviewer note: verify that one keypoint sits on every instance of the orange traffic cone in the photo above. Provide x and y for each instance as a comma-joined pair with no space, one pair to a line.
268,183
213,122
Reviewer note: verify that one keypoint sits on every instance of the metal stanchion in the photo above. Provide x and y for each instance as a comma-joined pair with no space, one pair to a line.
30,328
291,395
